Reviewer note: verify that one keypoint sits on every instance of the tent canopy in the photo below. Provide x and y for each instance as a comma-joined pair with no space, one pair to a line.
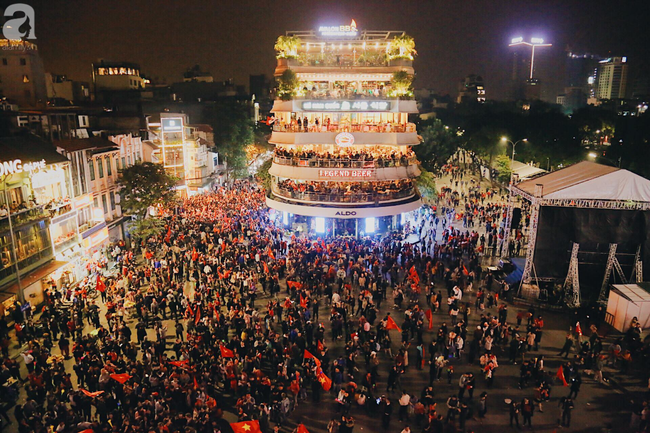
590,181
525,171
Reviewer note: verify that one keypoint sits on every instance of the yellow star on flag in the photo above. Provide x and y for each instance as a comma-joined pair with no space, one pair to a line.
246,427
321,380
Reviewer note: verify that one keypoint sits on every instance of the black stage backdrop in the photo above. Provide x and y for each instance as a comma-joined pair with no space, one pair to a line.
594,230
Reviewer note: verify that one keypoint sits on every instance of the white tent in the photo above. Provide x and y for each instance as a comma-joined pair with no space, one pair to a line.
525,171
627,301
590,181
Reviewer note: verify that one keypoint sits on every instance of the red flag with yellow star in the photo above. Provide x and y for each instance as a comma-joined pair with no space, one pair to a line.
325,381
390,324
301,429
246,427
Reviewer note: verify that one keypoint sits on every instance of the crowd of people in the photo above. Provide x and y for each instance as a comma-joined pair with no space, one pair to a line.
231,314
347,157
372,190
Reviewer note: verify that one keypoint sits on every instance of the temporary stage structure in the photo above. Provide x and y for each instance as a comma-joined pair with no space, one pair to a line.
627,301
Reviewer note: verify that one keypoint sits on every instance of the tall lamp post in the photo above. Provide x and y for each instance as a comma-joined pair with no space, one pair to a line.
506,227
514,144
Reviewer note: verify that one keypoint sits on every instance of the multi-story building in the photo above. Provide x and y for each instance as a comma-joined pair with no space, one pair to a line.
471,89
185,150
95,164
117,76
22,77
40,241
612,78
342,133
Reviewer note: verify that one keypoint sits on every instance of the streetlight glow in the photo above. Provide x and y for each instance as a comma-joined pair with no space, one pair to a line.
537,40
592,155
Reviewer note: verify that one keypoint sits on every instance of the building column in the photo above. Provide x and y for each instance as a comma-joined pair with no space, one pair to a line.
356,227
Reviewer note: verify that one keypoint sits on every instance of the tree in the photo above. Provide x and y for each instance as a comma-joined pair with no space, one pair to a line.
426,184
144,185
438,144
402,47
288,85
263,174
287,47
233,131
401,85
502,165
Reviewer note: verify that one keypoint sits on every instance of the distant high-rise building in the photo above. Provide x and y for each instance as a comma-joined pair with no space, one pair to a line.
581,70
524,85
470,89
612,78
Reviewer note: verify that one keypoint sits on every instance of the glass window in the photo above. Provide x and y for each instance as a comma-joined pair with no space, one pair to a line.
91,166
109,169
23,61
95,202
112,200
123,163
100,167
104,203
128,159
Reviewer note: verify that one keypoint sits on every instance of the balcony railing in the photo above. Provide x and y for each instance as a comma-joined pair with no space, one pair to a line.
345,163
341,94
344,197
383,127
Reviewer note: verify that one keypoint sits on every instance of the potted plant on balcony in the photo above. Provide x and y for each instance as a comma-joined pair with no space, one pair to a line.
402,50
287,50
401,85
288,85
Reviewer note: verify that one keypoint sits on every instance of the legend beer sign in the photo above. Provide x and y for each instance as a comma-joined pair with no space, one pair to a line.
345,174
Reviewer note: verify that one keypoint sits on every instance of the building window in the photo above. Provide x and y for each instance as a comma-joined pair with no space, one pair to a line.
117,163
100,167
83,122
112,200
23,61
128,159
91,167
25,78
95,202
104,203
4,61
123,163
109,169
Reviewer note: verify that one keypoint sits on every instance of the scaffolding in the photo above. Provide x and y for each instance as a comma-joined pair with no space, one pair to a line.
532,236
572,281
506,226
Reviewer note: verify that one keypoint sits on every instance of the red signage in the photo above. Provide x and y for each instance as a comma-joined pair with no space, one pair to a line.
361,174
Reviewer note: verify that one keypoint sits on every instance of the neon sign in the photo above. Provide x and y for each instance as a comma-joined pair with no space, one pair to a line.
346,106
350,30
357,174
17,166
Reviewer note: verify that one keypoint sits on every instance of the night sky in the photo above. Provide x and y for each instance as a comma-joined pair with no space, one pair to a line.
233,39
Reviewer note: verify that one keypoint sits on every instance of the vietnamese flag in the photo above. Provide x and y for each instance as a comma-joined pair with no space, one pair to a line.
91,394
225,352
301,429
190,313
88,430
308,355
303,302
122,377
101,287
198,316
181,364
578,329
266,268
246,427
196,384
320,346
270,253
195,255
325,381
560,375
429,315
168,236
390,324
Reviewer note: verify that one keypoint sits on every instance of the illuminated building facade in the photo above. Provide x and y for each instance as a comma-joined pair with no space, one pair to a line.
343,162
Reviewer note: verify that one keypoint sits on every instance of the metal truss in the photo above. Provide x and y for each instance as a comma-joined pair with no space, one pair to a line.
572,282
637,268
532,238
612,265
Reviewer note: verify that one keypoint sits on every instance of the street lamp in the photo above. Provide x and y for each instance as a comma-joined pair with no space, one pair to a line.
514,144
594,156
534,42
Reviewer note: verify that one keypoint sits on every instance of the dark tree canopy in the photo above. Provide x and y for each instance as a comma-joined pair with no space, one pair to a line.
144,185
